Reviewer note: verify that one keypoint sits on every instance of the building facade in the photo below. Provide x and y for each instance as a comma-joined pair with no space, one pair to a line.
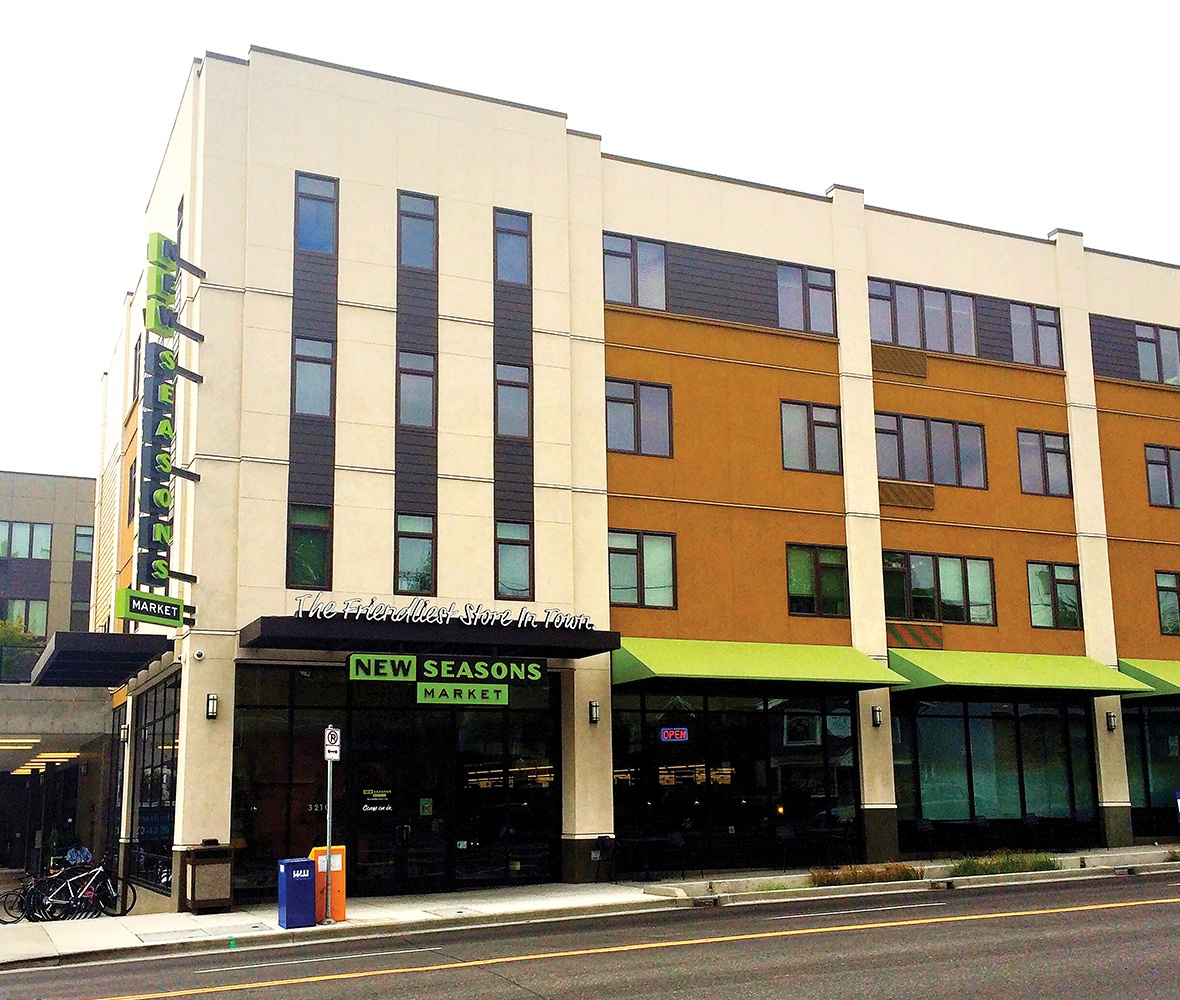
621,512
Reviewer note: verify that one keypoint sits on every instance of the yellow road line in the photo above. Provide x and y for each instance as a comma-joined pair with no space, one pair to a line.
644,946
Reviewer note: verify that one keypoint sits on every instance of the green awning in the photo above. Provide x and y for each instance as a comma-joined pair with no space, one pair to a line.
1162,676
927,668
698,659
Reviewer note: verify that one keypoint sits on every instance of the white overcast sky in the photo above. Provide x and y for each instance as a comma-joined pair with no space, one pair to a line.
1016,116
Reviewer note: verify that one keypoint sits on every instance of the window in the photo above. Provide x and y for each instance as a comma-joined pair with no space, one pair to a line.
817,581
132,498
1163,476
639,417
513,412
633,271
514,561
414,571
1054,595
512,247
1044,463
313,377
309,547
926,318
22,540
811,437
1036,335
936,588
315,213
922,450
83,543
417,231
806,299
79,616
29,615
1167,587
642,569
136,365
415,389
1159,354
155,732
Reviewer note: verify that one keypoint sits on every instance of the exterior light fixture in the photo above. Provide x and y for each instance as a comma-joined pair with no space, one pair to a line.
210,706
1111,722
878,715
124,732
595,713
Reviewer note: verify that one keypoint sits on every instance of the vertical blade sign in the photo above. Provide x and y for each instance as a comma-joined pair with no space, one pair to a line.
158,433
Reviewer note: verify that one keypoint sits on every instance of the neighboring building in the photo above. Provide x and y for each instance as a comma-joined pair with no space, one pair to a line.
751,458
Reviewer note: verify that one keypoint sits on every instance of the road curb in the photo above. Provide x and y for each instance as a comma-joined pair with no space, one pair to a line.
345,931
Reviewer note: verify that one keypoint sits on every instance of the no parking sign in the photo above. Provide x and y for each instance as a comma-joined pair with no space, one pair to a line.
331,743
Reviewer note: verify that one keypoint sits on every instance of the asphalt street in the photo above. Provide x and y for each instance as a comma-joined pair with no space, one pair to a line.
1115,939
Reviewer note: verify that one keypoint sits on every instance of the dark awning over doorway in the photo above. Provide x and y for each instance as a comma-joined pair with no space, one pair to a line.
341,635
97,659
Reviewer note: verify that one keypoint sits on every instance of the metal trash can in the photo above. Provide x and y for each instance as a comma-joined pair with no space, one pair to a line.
296,893
207,878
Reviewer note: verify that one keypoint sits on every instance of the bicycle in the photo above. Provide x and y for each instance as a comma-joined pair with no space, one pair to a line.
77,892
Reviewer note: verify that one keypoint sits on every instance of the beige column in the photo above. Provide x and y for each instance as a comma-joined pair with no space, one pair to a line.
1090,519
587,807
862,517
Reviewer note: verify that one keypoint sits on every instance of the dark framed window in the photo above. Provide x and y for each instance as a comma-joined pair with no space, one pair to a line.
315,213
31,615
922,586
639,417
417,396
514,561
925,450
514,411
1036,335
817,581
513,251
25,540
1044,463
931,319
132,492
633,271
309,547
414,567
136,365
1167,587
1159,354
642,569
79,616
417,231
83,543
1054,595
1163,475
806,299
811,437
156,734
314,371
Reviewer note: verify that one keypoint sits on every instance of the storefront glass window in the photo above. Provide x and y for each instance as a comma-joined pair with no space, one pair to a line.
153,805
1163,755
942,753
1045,760
1136,765
995,773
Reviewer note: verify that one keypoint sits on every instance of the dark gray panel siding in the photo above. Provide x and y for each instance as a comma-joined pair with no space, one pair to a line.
27,578
514,480
719,285
1113,346
80,582
993,326
416,471
311,475
415,481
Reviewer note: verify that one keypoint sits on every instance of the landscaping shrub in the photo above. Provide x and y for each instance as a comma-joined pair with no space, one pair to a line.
859,874
1003,863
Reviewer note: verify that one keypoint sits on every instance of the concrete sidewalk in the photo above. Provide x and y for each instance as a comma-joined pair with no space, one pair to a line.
25,944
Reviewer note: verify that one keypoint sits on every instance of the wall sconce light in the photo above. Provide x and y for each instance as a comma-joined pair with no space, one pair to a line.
210,706
878,715
595,713
124,732
1111,722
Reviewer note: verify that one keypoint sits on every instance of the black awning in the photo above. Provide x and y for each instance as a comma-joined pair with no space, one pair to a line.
97,659
338,634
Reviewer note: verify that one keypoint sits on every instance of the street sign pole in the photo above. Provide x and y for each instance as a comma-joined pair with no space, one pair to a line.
331,755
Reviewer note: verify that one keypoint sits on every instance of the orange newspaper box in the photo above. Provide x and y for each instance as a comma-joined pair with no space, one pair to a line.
320,856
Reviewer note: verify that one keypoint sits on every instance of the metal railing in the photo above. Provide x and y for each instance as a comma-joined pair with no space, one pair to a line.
16,663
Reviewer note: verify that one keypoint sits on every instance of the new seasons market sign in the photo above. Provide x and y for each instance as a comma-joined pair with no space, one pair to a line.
424,612
473,681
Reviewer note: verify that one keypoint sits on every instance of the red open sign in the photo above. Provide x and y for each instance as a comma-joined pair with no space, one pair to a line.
668,735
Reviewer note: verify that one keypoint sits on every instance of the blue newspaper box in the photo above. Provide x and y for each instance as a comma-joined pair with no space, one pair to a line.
297,893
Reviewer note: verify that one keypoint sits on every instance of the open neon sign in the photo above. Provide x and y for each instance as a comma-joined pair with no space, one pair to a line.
671,735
